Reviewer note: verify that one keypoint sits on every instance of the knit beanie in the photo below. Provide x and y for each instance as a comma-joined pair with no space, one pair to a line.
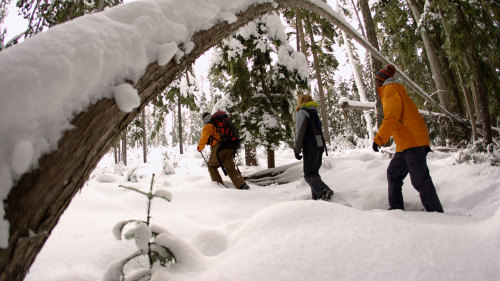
385,73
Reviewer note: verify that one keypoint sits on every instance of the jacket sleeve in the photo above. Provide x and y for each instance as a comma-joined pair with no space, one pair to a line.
392,106
205,136
300,131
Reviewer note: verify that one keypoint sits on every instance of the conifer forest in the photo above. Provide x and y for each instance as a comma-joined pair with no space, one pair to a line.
448,47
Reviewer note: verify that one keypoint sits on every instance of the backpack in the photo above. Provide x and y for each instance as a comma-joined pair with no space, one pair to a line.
228,133
314,128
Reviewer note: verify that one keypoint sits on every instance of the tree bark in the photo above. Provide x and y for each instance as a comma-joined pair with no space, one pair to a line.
144,137
470,108
472,61
437,72
359,83
124,147
270,158
371,35
179,121
250,156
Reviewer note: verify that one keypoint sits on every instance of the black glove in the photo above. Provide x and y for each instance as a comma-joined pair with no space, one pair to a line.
375,146
298,156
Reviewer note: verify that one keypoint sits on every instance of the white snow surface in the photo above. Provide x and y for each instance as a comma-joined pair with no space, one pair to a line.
277,232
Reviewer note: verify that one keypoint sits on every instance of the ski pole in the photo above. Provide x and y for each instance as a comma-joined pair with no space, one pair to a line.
209,170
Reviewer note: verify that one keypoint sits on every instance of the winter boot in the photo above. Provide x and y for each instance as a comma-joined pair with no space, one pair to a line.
244,186
327,195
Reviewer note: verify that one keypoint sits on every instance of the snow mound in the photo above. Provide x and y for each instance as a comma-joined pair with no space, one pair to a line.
107,178
286,235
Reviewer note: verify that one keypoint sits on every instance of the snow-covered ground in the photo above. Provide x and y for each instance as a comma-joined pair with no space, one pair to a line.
277,232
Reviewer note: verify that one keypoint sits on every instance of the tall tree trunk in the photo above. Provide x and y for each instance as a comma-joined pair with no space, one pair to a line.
472,61
250,156
298,27
453,83
302,39
124,147
357,79
437,72
100,5
322,100
115,153
144,137
371,35
470,108
301,34
270,158
267,93
181,151
356,12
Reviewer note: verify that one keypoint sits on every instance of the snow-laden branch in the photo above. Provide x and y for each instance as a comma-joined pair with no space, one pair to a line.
347,104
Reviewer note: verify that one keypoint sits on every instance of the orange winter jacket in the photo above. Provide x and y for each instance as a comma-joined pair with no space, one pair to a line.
401,120
208,134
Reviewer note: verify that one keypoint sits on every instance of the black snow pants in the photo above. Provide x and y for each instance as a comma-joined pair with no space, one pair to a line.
413,161
312,163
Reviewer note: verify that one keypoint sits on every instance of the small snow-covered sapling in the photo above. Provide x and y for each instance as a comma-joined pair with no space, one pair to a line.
145,238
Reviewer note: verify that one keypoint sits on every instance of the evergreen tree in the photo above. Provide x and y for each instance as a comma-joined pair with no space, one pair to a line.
478,62
317,38
261,89
464,35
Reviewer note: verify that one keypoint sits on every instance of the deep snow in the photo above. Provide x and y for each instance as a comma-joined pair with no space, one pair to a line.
277,232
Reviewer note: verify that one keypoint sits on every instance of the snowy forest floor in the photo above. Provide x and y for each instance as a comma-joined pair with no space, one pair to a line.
276,232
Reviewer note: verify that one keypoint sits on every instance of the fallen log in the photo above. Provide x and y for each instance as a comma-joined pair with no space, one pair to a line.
278,175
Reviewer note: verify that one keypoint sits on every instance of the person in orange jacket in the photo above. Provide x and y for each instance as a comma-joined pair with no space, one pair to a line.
404,123
219,156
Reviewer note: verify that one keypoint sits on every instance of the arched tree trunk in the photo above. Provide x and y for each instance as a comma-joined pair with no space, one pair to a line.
38,199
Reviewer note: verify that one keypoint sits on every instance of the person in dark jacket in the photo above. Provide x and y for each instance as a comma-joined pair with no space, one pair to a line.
310,141
404,123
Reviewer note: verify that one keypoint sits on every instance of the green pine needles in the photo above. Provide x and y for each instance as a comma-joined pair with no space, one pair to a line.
145,236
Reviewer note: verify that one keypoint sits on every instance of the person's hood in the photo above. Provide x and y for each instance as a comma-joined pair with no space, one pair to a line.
310,104
392,80
206,120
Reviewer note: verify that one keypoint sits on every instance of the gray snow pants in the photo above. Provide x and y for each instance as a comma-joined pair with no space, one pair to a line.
412,160
312,163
